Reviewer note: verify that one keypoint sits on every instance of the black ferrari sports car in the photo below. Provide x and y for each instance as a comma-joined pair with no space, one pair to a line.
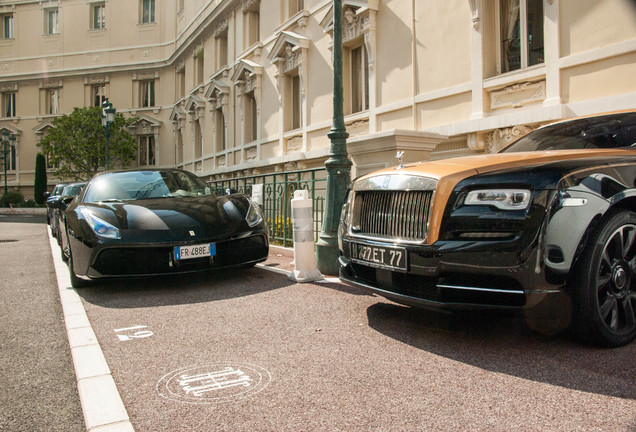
158,221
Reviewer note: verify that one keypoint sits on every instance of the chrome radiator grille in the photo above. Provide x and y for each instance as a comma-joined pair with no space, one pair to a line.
390,214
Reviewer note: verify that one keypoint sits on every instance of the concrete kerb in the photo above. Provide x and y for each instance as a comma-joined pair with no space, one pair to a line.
104,411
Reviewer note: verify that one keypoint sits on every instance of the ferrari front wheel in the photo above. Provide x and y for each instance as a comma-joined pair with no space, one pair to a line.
605,283
76,282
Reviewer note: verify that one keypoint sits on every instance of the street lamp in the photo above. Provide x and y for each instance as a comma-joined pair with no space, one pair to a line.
338,165
8,141
108,118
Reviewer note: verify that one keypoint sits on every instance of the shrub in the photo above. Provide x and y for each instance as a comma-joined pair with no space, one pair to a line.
12,198
40,179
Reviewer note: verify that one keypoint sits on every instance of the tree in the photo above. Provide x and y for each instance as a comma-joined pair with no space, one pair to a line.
76,144
40,179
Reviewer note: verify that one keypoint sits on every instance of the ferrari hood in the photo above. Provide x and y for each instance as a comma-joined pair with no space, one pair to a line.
170,218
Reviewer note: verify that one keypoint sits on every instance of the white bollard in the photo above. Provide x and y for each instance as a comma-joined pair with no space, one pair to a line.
305,269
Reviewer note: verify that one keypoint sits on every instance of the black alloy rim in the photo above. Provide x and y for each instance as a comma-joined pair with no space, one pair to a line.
616,279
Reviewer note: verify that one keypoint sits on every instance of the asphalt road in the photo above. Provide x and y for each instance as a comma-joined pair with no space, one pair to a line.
39,390
249,350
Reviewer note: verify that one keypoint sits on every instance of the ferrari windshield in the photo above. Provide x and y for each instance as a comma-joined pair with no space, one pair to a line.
135,185
604,132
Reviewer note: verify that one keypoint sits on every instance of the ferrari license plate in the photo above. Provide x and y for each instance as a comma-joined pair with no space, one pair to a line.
194,251
379,256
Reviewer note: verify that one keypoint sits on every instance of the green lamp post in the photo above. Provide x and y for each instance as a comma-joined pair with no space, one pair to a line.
338,165
8,141
108,118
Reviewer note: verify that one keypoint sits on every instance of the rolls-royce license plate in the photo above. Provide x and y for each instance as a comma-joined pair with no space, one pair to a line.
393,258
194,251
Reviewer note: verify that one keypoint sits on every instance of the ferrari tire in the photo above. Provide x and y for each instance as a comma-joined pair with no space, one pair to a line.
605,283
76,282
64,249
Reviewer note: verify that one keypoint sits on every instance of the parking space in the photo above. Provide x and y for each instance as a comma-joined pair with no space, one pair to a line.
250,350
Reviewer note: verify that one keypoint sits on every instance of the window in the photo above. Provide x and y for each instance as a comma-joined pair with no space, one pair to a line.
11,158
52,21
147,93
219,129
147,11
8,104
222,50
295,6
359,79
293,106
53,101
7,26
520,34
251,25
198,142
98,19
98,94
181,83
146,150
179,157
250,118
198,67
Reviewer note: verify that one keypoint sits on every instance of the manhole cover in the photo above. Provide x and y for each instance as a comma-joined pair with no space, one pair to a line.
215,383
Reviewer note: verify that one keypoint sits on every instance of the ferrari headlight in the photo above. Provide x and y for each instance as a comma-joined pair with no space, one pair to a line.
254,215
505,199
100,226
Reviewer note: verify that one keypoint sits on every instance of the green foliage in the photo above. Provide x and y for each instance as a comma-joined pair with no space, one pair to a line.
76,144
281,230
40,179
12,198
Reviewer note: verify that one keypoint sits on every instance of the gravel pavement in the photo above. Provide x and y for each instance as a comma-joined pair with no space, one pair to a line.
38,391
250,350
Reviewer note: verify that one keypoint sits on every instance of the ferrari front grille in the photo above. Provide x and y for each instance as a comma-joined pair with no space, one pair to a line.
390,214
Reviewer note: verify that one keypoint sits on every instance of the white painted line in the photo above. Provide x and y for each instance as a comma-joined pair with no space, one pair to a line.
288,273
103,408
274,269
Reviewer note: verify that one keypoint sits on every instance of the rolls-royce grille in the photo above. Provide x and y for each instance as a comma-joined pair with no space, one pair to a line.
400,215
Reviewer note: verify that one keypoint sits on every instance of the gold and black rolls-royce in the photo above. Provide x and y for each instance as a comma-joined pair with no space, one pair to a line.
552,213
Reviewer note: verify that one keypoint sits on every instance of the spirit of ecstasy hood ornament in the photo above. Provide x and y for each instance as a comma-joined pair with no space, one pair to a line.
400,156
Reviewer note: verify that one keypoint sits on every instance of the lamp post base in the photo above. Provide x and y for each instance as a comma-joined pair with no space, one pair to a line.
327,255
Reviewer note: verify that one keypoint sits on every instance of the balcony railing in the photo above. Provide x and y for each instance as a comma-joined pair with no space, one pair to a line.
278,190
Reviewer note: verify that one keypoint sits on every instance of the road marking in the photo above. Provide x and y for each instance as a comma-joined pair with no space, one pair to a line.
136,335
214,383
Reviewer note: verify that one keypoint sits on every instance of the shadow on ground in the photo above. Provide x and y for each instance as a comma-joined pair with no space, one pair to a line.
504,343
182,289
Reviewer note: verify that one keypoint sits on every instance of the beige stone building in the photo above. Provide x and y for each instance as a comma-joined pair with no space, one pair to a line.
229,88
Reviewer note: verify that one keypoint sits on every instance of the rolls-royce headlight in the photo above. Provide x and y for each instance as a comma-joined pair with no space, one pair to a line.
254,215
505,199
100,226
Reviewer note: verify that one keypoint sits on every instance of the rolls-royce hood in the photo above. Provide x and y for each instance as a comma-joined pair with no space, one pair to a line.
462,167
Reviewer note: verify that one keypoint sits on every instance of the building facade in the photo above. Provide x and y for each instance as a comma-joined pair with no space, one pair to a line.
231,88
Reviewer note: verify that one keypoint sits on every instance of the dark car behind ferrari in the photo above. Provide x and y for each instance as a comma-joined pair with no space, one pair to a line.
552,214
163,221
